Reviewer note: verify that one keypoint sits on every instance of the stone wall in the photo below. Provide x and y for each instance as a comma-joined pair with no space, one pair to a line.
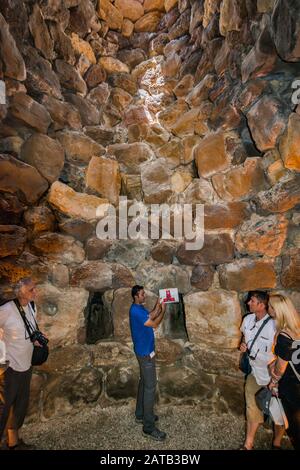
184,101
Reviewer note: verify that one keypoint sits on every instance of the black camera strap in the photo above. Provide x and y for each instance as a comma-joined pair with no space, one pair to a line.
258,333
29,328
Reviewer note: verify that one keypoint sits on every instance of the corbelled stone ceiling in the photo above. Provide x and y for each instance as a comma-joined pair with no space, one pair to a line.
161,101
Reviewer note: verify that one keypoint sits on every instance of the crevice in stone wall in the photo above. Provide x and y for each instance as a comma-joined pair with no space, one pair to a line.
99,324
175,321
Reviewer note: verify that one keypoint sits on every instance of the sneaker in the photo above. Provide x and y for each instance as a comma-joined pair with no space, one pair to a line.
140,420
156,434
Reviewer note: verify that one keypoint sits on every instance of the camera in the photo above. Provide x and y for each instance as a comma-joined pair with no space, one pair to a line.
38,336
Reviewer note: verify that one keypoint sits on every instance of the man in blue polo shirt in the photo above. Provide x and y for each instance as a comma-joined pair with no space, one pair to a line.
141,324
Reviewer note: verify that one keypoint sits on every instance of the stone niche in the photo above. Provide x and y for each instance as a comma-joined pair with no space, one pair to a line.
164,102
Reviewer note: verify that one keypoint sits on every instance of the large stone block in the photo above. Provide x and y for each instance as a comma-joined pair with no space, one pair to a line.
290,275
63,114
156,181
213,318
19,178
222,216
261,59
39,219
281,197
184,383
89,112
217,249
245,275
154,277
40,32
61,359
58,248
78,147
202,277
61,313
10,54
65,394
94,276
40,76
232,15
113,65
70,78
262,235
122,382
241,182
131,156
290,142
103,176
33,114
73,204
148,22
211,155
12,240
286,28
45,154
110,14
267,121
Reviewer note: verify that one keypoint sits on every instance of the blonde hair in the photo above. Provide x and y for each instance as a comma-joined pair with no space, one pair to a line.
286,316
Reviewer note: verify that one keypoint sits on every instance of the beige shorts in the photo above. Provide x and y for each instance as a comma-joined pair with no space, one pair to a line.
253,413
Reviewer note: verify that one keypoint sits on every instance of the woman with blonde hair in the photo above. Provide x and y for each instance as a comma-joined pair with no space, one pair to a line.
285,370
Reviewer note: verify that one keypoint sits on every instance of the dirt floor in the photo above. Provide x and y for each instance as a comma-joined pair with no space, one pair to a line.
113,428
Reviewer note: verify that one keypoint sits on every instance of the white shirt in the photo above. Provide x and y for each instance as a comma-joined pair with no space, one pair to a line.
19,348
262,348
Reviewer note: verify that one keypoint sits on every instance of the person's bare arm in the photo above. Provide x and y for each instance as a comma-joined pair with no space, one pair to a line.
157,321
156,311
277,369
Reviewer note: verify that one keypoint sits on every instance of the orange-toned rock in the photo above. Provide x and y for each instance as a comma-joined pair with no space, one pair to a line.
267,121
127,28
110,14
10,54
156,182
190,123
281,197
217,249
45,154
83,47
232,13
24,108
130,9
169,4
112,65
148,22
171,114
245,275
39,219
131,156
154,5
79,148
12,240
290,276
80,205
213,318
94,276
241,182
221,216
262,235
184,86
103,176
18,177
211,155
58,248
120,98
290,144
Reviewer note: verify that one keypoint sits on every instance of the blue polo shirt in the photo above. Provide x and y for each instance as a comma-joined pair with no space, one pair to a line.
142,336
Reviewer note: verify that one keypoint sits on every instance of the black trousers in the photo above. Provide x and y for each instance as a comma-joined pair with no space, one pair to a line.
14,398
146,392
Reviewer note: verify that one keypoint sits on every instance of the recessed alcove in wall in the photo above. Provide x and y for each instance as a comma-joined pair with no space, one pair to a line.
174,325
99,324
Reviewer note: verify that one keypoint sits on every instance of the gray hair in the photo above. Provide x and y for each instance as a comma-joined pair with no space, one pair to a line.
24,281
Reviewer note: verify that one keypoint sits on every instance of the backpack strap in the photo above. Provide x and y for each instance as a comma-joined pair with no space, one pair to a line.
258,333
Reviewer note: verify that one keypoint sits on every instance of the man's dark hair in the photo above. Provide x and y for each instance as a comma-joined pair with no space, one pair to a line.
135,290
262,296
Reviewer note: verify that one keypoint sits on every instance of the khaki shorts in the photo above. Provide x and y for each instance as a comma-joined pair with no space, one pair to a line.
253,413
